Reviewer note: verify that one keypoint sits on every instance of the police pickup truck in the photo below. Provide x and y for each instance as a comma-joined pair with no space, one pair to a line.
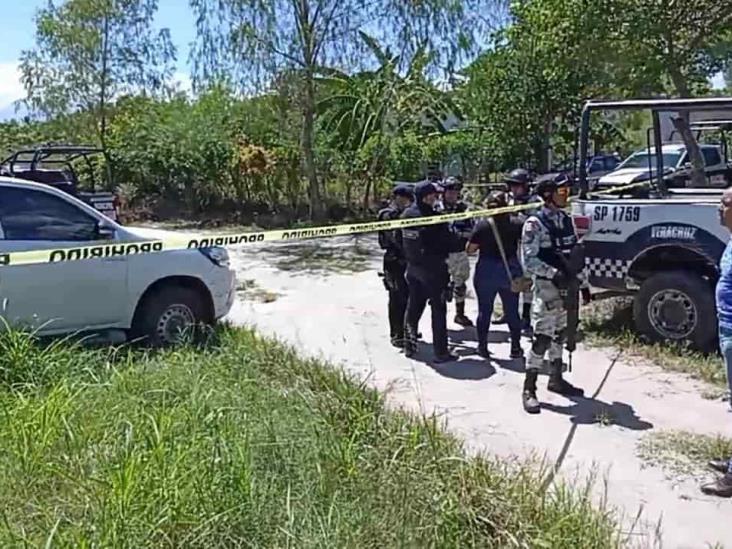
665,251
662,245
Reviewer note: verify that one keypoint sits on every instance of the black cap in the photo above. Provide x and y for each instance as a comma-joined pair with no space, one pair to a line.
404,189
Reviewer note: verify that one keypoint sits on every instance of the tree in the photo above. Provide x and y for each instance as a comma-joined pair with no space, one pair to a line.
89,52
675,45
528,88
365,111
251,42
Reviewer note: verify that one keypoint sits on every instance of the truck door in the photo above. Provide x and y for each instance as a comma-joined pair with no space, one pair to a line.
63,296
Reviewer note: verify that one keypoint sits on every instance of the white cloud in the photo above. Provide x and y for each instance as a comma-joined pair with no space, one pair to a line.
10,87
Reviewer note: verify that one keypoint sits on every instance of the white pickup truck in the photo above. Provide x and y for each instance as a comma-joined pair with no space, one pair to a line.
642,164
152,295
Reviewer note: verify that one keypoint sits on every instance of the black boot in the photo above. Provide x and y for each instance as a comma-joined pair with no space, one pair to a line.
531,403
719,465
447,357
460,317
483,350
557,384
721,487
398,341
516,350
410,342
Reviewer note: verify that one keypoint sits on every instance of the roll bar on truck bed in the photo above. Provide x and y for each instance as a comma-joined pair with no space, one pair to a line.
656,107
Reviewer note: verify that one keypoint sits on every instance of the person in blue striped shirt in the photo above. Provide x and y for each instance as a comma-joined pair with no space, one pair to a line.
723,485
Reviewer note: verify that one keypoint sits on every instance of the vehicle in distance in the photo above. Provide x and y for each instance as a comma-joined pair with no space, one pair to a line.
154,296
642,165
59,166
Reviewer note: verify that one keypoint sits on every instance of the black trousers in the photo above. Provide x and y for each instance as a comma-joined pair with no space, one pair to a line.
396,284
428,285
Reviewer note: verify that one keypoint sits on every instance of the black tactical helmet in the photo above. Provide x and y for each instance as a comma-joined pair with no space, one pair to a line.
548,185
452,183
519,176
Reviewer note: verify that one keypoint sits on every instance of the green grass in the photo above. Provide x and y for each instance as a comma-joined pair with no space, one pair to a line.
683,452
610,322
243,444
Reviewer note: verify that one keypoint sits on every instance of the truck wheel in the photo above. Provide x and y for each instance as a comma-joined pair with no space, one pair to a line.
676,306
168,316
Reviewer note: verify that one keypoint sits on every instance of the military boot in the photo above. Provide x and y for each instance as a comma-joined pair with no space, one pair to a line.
460,317
531,403
557,383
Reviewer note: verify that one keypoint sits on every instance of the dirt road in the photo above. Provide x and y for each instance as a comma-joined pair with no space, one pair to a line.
325,298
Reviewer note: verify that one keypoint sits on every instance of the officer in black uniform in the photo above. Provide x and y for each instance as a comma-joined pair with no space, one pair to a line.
395,264
426,249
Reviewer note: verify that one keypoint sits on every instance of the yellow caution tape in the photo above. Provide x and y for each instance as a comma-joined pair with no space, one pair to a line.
190,241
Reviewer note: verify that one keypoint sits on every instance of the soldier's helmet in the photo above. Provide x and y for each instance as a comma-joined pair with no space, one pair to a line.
548,185
519,176
452,184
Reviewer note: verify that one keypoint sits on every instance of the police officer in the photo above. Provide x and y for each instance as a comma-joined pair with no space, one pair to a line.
547,238
458,263
426,249
395,264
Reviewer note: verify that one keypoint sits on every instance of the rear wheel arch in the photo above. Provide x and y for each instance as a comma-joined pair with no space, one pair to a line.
672,257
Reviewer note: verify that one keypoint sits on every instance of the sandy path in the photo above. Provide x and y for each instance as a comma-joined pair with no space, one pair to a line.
332,305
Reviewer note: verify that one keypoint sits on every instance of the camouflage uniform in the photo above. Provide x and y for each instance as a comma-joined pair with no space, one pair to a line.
549,316
458,263
526,296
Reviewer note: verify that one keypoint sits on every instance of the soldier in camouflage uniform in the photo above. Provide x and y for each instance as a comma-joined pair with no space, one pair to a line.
457,262
547,239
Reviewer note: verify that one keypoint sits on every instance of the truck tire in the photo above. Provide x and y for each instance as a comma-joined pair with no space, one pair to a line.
168,316
677,306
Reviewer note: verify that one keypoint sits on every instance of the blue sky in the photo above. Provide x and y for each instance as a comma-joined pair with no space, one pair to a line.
18,34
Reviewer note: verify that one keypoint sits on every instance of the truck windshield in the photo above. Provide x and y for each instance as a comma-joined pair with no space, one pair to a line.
640,160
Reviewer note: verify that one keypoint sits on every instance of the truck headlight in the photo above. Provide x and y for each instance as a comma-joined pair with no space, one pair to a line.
218,256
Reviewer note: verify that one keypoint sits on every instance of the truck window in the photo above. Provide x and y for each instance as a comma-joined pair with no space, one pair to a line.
28,214
711,156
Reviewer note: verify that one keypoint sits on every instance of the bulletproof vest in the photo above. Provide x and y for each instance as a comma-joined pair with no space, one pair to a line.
563,239
464,225
413,242
413,245
388,239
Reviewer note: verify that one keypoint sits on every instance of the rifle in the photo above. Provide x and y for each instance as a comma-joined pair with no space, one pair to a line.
574,265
